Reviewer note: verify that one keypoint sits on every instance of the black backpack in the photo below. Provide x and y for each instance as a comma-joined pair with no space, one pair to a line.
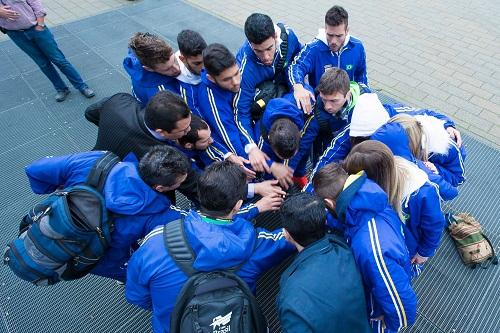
269,89
64,236
209,302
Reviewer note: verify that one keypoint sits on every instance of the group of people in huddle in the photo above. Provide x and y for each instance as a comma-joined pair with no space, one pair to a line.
234,134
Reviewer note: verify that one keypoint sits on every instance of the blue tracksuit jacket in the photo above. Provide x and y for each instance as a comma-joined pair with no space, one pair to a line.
315,57
217,109
154,280
341,146
200,159
286,108
254,72
137,206
374,232
395,137
146,84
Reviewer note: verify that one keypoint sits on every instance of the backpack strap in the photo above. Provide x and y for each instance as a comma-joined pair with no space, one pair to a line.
178,247
100,170
283,50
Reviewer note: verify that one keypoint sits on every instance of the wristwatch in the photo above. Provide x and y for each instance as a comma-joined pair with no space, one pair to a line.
40,24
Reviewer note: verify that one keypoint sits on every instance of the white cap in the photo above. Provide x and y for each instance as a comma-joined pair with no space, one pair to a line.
368,115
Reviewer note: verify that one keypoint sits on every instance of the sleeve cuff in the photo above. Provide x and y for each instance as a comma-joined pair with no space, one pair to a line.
226,155
251,191
249,147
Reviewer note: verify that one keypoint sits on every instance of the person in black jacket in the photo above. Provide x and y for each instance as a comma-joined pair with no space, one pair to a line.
125,127
322,290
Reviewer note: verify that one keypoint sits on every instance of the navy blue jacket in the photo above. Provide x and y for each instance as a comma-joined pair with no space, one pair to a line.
137,206
254,72
374,232
154,280
322,291
316,56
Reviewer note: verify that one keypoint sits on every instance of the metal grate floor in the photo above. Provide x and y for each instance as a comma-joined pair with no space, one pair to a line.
452,298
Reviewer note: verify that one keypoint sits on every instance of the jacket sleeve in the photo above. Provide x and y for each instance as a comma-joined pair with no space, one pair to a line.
394,109
137,290
271,248
248,212
338,150
291,314
360,72
244,100
451,166
446,190
307,137
388,281
301,65
431,222
93,112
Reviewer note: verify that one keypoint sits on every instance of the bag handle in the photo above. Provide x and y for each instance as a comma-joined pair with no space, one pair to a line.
283,50
100,171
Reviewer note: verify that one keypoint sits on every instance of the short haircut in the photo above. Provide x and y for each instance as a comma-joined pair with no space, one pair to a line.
303,215
334,80
164,110
197,124
150,49
258,28
217,58
336,16
163,165
190,43
284,137
329,182
220,187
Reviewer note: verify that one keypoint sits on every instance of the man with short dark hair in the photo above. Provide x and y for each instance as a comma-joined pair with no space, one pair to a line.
286,135
131,193
125,127
153,66
191,46
219,240
265,55
24,23
333,47
322,290
220,83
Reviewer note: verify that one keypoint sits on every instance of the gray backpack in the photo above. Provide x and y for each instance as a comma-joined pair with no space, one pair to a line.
210,302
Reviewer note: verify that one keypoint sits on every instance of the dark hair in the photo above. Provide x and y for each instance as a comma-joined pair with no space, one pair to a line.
163,165
329,181
220,187
197,124
258,28
150,49
164,110
356,140
334,80
303,215
336,16
284,137
190,43
217,58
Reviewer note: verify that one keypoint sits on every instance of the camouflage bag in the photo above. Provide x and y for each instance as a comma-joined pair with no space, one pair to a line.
472,245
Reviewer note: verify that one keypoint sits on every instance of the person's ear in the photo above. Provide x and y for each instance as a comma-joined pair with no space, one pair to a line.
346,30
348,95
188,145
149,69
237,206
182,58
158,188
330,204
211,78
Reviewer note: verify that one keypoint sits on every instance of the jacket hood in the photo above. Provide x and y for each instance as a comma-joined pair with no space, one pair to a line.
141,76
322,37
282,108
127,194
360,196
437,138
394,136
219,246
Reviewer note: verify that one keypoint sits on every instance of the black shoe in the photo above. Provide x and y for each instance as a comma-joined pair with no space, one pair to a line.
61,95
87,92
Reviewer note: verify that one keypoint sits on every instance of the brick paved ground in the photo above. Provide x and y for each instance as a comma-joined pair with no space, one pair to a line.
440,54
